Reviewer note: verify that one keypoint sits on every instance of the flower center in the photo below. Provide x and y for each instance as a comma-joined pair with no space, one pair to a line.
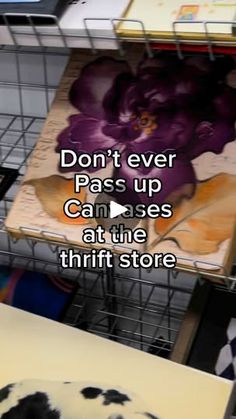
146,123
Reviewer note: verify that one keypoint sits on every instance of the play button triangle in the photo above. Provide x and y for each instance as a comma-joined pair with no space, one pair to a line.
116,209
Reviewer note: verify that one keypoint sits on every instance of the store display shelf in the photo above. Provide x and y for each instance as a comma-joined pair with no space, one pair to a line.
134,311
140,308
54,36
137,308
17,138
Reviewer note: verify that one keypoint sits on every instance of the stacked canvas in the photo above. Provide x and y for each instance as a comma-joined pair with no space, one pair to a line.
159,16
138,105
86,20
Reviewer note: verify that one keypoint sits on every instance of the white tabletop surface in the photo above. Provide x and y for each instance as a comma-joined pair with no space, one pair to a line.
34,347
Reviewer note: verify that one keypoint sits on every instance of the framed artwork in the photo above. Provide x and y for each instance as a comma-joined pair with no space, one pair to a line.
7,178
139,105
158,19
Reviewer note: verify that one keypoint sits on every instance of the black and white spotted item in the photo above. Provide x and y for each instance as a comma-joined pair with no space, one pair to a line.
226,362
36,399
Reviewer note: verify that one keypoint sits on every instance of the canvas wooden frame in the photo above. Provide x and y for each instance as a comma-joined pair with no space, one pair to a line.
28,219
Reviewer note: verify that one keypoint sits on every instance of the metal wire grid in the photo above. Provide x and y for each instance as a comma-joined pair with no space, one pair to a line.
89,38
134,310
28,127
138,308
38,36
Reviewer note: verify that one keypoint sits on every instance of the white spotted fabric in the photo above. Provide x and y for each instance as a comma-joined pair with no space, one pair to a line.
70,400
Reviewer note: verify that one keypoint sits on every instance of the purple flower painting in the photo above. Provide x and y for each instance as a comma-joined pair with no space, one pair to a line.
165,105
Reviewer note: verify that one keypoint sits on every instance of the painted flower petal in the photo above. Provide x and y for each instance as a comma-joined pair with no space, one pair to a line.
155,82
201,224
200,62
177,182
123,133
122,100
96,79
193,81
52,193
217,69
166,88
192,86
161,63
225,103
84,135
157,90
173,132
211,136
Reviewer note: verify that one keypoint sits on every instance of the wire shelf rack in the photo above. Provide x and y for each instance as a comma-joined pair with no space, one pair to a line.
33,34
139,308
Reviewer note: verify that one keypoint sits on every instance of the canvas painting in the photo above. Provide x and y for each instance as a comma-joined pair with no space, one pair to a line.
140,105
159,16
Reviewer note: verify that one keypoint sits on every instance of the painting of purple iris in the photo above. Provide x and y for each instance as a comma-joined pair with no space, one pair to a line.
163,105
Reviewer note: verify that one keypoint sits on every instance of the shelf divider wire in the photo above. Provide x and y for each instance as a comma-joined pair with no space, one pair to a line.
143,309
